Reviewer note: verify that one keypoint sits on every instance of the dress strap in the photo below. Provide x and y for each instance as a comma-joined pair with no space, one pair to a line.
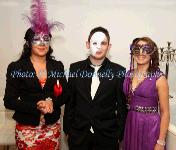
156,75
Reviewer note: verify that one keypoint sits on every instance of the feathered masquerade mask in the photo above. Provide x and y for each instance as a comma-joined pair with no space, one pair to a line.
38,19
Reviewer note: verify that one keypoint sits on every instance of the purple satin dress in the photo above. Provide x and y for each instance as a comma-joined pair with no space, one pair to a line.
142,128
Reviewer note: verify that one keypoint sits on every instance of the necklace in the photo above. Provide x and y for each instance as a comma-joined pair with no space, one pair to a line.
136,80
139,78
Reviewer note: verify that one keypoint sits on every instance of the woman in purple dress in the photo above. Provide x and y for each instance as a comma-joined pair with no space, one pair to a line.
148,102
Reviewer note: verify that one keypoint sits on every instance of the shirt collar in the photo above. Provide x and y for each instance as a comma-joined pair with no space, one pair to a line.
105,62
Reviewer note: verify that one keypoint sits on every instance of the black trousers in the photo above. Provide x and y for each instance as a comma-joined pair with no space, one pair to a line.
93,141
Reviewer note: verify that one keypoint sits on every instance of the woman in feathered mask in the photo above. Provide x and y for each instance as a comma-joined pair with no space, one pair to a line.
36,86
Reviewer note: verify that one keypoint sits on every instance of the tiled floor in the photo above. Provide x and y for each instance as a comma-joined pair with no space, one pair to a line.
7,127
12,147
63,144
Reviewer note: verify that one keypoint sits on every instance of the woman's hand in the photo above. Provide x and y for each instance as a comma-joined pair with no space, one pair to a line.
50,106
45,106
158,147
66,137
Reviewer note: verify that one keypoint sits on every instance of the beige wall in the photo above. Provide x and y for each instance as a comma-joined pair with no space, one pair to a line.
125,19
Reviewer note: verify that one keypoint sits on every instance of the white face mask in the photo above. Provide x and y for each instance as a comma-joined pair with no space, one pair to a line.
96,41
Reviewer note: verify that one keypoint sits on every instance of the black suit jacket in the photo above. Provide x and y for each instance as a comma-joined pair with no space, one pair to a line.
23,91
106,113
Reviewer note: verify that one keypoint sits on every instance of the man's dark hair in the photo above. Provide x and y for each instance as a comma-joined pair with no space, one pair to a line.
99,29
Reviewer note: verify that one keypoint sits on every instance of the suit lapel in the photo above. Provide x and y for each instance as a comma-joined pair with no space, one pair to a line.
100,87
29,66
102,82
49,68
85,83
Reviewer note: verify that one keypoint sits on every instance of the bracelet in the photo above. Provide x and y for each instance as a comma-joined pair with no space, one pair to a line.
161,142
48,99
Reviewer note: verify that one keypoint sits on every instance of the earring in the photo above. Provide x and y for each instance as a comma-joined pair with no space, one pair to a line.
151,62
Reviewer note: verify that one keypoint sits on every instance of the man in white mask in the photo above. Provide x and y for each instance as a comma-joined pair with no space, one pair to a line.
95,115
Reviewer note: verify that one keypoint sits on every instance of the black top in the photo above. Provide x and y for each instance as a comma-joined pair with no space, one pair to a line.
23,91
106,113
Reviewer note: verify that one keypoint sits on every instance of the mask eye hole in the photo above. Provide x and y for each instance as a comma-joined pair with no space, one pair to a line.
94,43
103,43
136,52
36,38
135,49
46,38
147,49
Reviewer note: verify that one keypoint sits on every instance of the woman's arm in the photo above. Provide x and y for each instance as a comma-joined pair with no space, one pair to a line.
12,93
163,93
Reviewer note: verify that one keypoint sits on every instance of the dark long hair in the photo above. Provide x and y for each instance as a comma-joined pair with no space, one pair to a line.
27,47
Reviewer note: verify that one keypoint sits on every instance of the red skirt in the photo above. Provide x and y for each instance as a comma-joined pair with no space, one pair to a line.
42,137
